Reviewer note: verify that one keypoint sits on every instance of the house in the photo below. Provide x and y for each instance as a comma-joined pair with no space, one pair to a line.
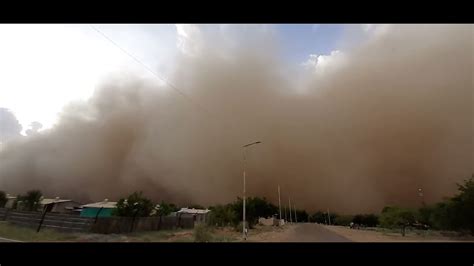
10,202
58,205
98,209
199,215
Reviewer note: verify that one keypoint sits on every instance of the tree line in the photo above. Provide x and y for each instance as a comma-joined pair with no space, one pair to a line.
455,213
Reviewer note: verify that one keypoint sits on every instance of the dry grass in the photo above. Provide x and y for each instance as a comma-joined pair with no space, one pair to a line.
222,234
27,234
390,235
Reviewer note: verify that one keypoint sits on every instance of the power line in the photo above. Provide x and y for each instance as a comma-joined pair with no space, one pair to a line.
151,71
199,106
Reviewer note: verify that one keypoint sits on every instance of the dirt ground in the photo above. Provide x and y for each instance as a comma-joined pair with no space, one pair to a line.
302,232
384,235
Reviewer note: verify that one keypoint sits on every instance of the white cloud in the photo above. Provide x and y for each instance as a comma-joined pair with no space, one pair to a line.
324,63
44,67
375,30
189,39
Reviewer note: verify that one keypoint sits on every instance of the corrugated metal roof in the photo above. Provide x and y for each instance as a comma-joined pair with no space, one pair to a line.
49,201
102,204
193,211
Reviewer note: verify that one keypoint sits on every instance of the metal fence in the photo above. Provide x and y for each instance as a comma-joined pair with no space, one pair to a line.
103,225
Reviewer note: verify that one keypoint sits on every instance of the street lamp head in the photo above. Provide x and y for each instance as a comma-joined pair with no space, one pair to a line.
250,144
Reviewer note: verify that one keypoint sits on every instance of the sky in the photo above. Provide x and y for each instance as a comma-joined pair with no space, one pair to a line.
45,67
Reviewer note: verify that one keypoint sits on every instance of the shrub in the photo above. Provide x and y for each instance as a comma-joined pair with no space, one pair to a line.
202,233
3,199
394,217
134,204
344,220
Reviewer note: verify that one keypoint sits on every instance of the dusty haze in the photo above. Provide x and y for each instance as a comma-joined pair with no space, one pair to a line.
367,129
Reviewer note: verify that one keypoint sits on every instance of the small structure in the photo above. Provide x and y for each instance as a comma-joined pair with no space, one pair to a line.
199,215
58,205
273,221
98,209
10,202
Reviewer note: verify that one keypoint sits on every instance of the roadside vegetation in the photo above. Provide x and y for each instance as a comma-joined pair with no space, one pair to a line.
452,214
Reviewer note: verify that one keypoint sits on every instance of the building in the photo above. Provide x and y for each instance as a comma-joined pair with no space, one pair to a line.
199,215
10,202
98,209
58,205
273,221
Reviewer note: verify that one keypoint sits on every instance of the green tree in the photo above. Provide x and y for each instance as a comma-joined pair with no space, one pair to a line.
463,206
223,215
370,220
302,216
343,220
3,199
134,204
319,217
165,208
255,208
31,201
395,217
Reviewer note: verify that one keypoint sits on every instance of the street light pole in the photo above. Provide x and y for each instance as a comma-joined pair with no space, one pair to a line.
289,205
244,198
420,193
279,201
296,218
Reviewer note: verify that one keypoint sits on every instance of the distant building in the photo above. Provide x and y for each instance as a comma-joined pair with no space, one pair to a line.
98,209
273,221
10,202
59,205
199,215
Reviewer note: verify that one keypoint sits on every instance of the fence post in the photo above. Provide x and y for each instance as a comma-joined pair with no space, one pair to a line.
42,218
97,214
7,211
133,220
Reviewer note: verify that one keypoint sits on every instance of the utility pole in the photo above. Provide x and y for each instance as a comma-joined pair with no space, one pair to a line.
296,217
329,217
286,217
420,193
244,227
289,204
279,201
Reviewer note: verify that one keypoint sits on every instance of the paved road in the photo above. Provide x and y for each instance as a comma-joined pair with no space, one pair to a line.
7,240
306,232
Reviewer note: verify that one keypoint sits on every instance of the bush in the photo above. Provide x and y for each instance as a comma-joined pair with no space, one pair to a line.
240,227
223,215
202,233
255,208
319,217
3,199
30,202
135,204
395,217
369,220
343,220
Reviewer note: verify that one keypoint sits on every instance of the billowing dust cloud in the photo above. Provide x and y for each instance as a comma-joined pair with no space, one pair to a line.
362,129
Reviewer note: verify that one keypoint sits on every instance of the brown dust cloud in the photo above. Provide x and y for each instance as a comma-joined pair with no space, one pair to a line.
354,131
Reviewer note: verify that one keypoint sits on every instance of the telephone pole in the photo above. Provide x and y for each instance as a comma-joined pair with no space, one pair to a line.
329,217
296,217
279,201
289,205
